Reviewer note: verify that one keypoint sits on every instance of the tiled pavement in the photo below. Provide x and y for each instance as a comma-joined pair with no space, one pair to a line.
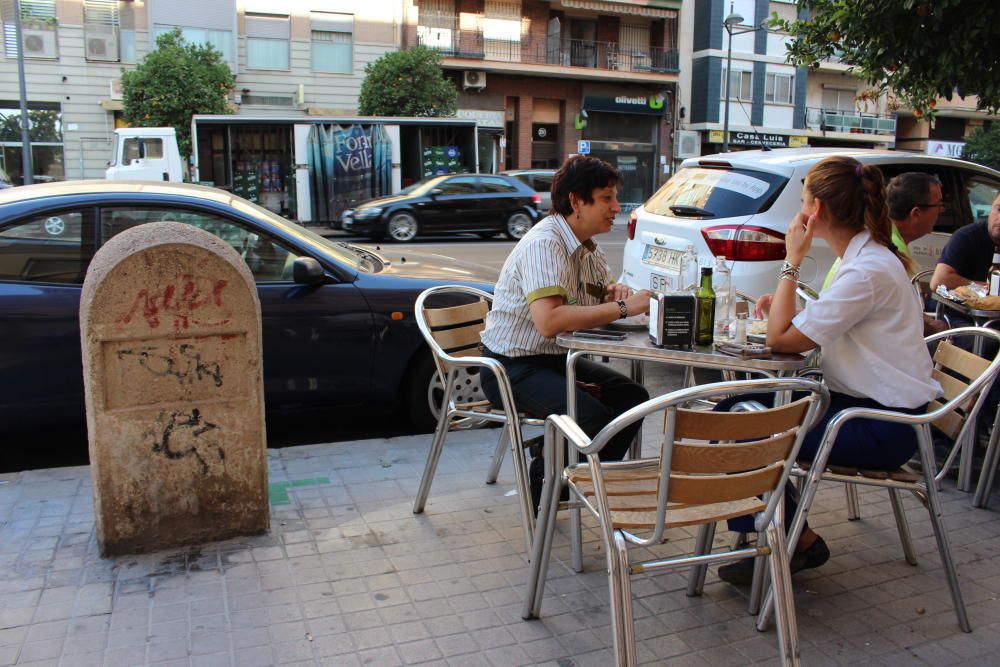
349,576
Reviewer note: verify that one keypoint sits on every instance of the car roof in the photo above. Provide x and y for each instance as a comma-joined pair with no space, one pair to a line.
786,160
99,187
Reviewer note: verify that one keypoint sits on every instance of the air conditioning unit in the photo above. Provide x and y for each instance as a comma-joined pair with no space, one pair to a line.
473,79
687,143
102,47
40,44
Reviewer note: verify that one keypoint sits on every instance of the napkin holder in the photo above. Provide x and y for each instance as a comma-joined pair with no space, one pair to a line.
672,318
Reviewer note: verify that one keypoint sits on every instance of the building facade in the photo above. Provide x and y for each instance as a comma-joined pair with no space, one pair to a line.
547,80
296,57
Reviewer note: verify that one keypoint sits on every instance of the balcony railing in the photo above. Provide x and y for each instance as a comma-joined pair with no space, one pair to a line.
565,52
856,122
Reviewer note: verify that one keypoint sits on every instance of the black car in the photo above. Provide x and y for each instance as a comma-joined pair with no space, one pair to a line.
337,318
483,204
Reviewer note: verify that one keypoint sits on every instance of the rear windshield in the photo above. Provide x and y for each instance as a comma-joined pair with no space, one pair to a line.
724,193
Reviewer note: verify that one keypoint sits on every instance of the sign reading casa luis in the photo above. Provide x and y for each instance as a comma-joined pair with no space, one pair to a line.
649,105
758,139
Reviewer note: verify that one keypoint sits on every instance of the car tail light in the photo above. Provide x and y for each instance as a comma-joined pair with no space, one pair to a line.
632,219
536,199
745,243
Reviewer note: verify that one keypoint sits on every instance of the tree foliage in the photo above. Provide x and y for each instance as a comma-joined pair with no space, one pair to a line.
922,49
984,146
407,83
173,83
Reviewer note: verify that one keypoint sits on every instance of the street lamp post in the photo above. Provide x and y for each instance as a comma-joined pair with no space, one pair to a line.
27,169
730,23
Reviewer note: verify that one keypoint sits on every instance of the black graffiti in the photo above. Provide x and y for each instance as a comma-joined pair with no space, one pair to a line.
188,368
173,424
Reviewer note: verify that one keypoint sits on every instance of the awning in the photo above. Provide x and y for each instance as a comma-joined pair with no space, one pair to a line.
620,8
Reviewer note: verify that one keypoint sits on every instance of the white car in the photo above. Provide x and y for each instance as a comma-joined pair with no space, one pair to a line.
740,204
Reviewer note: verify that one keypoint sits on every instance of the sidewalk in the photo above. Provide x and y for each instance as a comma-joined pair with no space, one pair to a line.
349,576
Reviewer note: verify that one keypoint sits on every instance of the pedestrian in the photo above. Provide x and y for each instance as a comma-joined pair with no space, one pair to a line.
556,280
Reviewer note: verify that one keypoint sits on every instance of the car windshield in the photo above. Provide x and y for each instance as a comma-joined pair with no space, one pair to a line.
698,192
424,186
353,256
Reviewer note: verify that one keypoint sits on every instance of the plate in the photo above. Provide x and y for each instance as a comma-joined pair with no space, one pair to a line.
635,322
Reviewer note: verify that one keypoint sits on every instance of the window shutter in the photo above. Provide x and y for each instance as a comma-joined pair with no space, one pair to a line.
330,22
267,26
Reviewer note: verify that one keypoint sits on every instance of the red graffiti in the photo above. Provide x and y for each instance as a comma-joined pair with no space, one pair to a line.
179,302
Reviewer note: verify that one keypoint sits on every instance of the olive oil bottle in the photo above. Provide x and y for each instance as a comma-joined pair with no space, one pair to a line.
706,308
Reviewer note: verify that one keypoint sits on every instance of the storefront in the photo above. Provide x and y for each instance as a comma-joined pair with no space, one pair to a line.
491,137
45,133
712,141
625,130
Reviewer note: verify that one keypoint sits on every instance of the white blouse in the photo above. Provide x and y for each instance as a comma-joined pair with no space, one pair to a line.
871,329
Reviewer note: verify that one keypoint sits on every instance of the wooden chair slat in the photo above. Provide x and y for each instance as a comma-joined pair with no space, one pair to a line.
707,425
961,361
737,457
443,317
690,515
462,337
950,385
467,352
950,424
708,489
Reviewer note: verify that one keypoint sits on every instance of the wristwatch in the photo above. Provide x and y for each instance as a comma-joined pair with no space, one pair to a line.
622,310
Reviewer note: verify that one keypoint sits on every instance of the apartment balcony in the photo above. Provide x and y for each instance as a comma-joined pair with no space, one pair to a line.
611,56
850,122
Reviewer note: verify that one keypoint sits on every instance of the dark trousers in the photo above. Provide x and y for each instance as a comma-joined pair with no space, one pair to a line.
539,386
861,443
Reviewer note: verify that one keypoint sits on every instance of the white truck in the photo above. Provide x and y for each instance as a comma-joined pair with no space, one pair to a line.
146,154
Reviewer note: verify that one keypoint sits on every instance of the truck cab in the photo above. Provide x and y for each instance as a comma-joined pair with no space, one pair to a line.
146,154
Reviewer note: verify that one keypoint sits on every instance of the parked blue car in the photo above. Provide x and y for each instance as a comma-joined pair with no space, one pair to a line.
338,325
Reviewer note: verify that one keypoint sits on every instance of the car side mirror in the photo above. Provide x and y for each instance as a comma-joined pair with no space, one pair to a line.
436,191
307,271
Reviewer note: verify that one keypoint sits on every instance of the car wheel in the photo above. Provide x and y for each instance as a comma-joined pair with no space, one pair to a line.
425,390
402,227
54,226
518,225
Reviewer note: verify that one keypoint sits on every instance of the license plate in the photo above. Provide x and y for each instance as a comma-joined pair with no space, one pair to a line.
661,283
665,257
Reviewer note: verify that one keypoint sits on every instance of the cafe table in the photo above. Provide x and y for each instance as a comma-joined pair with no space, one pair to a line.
637,348
981,318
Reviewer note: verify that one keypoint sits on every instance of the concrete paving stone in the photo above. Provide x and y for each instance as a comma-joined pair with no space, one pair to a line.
511,656
333,645
362,620
213,660
94,659
417,652
312,609
33,651
456,644
385,656
173,662
169,649
8,655
371,638
125,656
286,632
293,651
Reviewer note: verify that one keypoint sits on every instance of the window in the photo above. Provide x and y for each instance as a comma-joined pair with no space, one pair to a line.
332,42
268,260
981,195
105,39
461,185
267,41
778,88
493,184
839,99
136,148
46,140
740,85
38,29
49,248
502,30
221,40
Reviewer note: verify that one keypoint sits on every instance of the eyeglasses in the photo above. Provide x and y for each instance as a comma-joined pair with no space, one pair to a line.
942,205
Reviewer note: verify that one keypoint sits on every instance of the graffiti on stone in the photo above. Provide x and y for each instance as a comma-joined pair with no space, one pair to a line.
181,433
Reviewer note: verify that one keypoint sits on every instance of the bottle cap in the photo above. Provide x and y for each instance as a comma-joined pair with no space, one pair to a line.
706,270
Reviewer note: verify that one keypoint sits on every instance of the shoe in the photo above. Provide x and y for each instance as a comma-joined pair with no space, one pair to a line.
740,573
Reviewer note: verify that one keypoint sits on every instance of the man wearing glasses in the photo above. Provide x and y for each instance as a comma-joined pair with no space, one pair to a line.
969,253
915,200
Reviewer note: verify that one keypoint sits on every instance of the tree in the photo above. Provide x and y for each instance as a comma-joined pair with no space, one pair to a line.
173,83
984,146
407,83
922,49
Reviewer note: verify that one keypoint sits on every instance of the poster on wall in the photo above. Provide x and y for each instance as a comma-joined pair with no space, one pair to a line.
348,164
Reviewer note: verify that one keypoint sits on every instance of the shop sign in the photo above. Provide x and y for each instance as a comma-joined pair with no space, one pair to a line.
649,105
758,139
484,117
945,148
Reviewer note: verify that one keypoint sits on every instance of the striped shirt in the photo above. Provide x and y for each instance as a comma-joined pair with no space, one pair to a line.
548,261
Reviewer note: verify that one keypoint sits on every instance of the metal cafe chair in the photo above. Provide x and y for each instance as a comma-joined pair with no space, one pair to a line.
965,379
712,466
453,334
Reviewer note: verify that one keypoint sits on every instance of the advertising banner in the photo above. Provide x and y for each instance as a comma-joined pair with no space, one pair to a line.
348,164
